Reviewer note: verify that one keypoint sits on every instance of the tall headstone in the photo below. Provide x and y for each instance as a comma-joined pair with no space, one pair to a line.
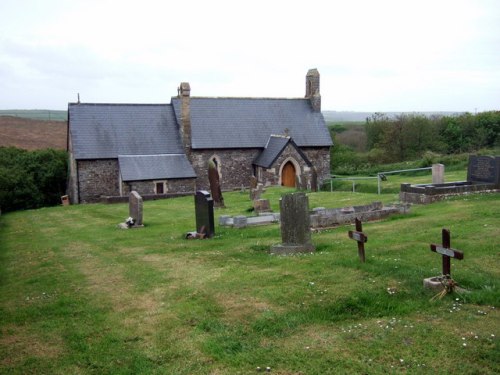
295,225
204,209
213,179
135,207
438,173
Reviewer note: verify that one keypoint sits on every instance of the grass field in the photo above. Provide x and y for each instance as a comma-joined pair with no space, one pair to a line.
36,114
79,296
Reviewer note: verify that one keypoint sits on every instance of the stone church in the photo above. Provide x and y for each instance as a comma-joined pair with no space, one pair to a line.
164,149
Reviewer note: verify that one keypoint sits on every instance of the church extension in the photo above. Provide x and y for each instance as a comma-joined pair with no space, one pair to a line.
161,149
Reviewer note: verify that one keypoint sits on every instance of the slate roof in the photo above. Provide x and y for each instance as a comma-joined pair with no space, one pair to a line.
155,167
101,131
248,122
274,147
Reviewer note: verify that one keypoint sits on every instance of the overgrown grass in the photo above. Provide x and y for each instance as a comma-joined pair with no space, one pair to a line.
78,295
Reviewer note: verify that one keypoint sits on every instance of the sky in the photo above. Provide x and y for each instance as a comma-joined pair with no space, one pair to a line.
384,55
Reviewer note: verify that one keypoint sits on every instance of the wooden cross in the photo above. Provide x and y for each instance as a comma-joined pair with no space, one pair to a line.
447,252
360,237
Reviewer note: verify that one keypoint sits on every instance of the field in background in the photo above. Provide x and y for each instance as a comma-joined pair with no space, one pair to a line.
78,295
30,134
36,114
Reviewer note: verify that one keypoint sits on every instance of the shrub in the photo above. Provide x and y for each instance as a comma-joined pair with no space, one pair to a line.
31,179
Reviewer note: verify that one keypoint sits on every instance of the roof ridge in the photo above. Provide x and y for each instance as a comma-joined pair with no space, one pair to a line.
243,97
119,104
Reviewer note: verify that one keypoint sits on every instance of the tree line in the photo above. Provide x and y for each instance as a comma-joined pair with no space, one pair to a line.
31,179
409,136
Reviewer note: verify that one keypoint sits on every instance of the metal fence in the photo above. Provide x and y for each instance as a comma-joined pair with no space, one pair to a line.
380,177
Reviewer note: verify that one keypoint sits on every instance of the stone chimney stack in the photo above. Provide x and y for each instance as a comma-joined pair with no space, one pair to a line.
312,89
185,96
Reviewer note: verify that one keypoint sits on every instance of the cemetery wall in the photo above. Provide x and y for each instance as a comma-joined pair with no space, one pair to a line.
96,178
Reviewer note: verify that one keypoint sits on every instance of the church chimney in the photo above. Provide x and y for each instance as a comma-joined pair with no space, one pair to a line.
312,89
184,94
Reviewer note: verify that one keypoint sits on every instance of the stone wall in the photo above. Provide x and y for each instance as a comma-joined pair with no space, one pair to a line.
97,178
271,176
235,167
178,185
320,159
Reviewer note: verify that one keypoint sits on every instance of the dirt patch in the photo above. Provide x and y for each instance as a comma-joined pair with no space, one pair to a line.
239,308
21,344
31,134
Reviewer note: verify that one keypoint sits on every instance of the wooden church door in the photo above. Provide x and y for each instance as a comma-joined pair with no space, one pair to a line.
288,175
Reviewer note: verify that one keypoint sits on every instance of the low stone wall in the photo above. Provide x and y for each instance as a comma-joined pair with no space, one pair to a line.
429,193
324,218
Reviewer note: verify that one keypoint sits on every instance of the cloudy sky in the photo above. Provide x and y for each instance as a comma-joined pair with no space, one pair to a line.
436,55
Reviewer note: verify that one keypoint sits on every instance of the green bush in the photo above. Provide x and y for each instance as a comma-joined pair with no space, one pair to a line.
31,179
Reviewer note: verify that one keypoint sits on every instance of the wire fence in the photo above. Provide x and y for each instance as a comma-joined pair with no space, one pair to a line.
381,176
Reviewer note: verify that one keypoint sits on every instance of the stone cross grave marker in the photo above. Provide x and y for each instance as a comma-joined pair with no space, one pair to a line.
135,208
295,225
447,252
360,237
204,209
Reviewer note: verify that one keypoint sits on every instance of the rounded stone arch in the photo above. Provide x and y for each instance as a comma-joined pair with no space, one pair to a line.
296,166
218,164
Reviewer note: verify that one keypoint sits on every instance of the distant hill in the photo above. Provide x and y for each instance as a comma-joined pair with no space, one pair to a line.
36,114
30,134
348,116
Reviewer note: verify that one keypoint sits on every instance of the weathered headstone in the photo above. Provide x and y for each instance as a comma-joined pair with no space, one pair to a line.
135,208
261,205
484,169
257,192
438,173
204,209
360,237
213,179
295,225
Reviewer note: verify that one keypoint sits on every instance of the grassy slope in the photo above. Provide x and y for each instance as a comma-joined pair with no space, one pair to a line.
78,295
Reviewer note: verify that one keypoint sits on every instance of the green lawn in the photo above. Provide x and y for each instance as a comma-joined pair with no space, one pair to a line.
79,296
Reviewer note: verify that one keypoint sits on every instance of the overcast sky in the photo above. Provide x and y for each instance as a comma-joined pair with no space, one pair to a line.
383,55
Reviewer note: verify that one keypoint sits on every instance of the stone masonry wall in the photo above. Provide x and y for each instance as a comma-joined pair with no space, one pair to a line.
180,185
320,159
97,178
271,176
235,167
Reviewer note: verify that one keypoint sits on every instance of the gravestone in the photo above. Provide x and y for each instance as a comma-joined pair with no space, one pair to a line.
257,192
261,205
484,169
440,282
438,173
204,209
295,225
213,179
360,238
135,208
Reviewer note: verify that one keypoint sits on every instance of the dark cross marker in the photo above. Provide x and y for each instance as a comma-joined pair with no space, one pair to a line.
447,252
360,237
